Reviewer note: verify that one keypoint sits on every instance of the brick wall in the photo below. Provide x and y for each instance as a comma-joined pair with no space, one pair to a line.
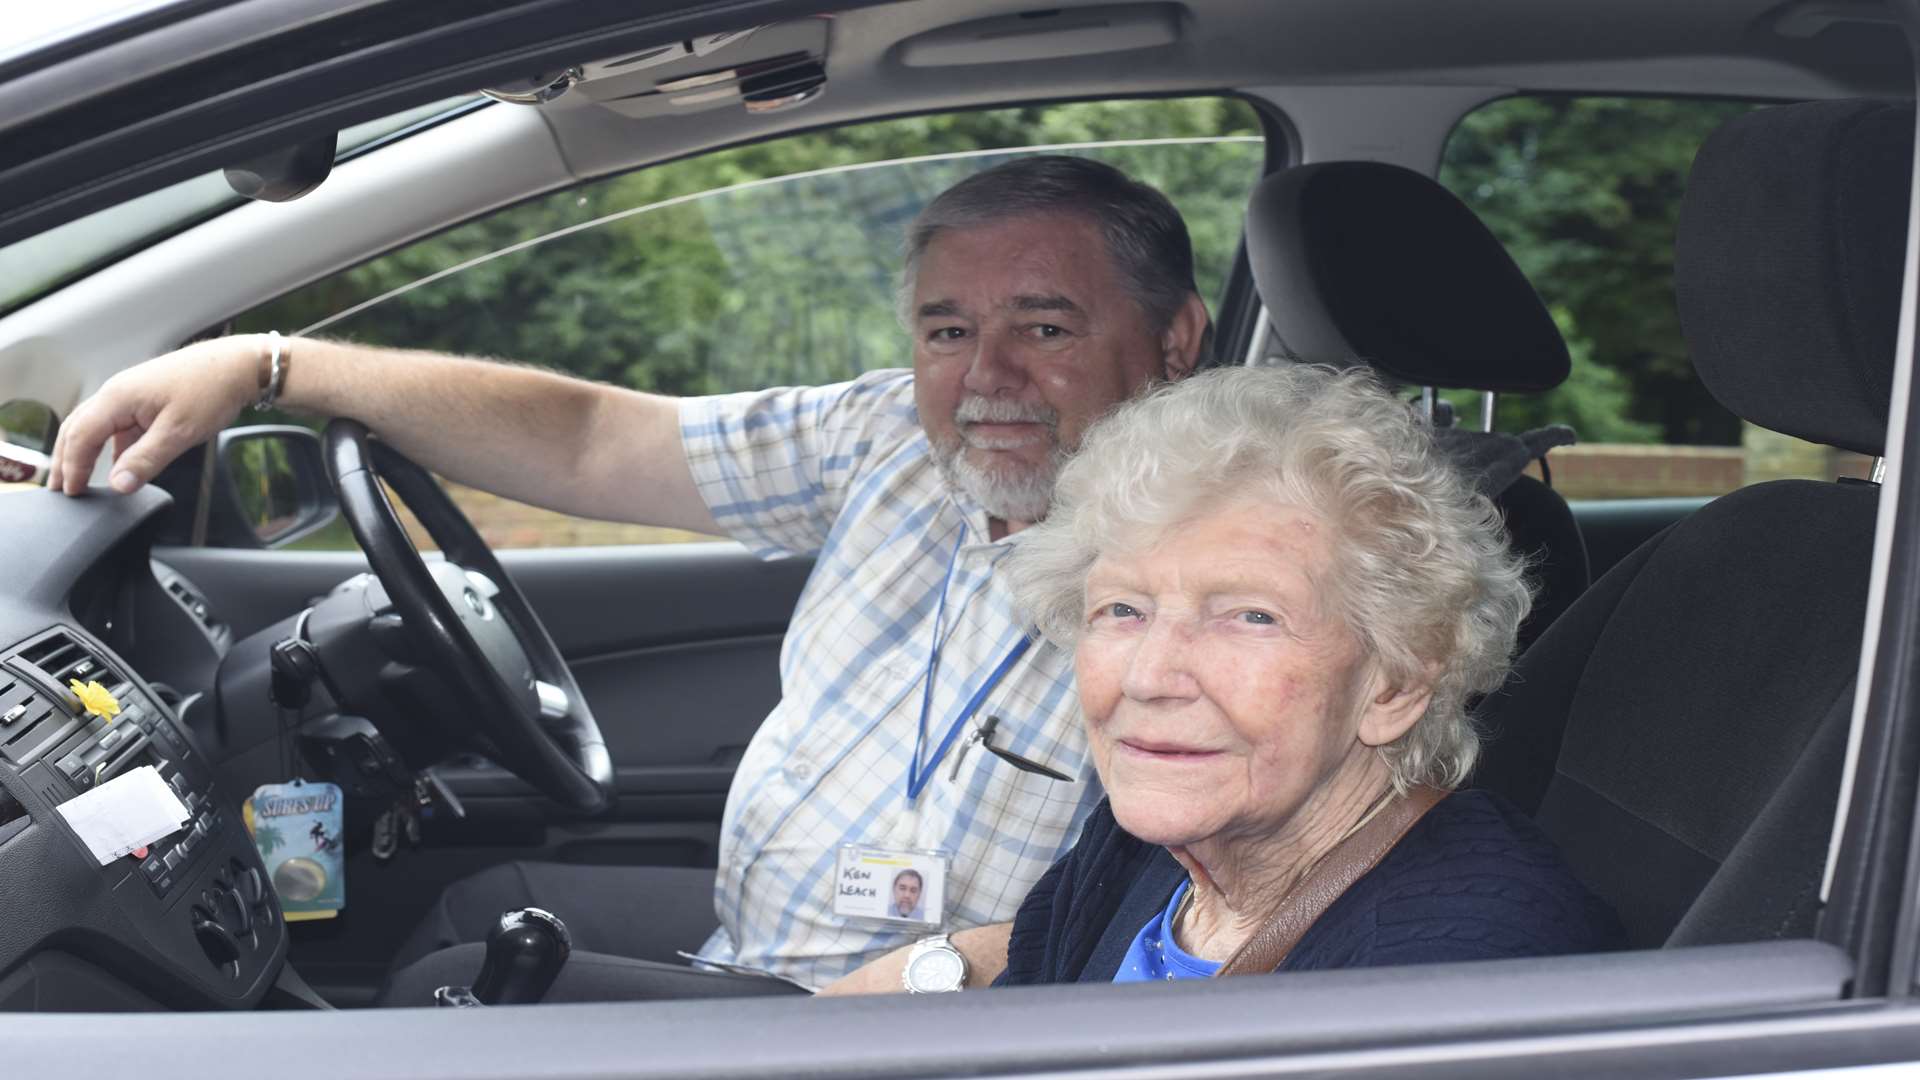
1615,471
1621,471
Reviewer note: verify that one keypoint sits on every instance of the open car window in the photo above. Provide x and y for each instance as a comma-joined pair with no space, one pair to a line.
1585,194
767,265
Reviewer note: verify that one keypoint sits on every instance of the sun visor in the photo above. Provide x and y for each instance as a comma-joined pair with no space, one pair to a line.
762,69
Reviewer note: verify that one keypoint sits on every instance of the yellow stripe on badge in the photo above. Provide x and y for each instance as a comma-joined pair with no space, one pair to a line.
876,860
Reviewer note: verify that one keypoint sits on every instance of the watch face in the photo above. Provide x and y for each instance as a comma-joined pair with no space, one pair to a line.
935,971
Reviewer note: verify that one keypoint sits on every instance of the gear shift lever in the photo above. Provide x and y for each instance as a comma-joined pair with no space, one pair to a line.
525,953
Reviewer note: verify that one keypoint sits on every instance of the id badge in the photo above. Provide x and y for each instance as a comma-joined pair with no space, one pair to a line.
299,829
891,887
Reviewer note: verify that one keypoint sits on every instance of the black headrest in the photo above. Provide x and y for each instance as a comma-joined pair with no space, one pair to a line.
1359,260
1787,266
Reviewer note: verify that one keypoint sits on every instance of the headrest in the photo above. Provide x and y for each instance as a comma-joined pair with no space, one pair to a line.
1359,260
1787,266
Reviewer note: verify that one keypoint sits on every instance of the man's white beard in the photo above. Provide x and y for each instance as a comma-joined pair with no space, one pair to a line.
1020,492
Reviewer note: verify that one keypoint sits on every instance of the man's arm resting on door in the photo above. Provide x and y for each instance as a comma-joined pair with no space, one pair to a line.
539,437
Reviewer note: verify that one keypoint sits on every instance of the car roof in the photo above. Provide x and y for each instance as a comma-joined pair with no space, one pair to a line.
222,82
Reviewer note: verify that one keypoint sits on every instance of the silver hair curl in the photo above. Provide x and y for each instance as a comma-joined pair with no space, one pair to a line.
1146,236
1421,572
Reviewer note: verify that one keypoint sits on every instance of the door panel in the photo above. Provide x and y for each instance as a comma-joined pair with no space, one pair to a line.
675,646
677,649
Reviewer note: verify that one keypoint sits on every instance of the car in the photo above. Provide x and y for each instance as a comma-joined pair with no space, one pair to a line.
669,194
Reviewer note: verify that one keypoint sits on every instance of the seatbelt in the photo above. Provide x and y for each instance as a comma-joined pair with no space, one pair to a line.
1329,880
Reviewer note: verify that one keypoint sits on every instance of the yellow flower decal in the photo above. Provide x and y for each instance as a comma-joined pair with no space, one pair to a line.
96,698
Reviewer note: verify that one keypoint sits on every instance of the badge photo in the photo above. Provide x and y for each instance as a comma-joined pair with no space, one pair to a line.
905,889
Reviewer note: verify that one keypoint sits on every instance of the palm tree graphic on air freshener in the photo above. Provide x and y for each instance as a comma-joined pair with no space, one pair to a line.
298,879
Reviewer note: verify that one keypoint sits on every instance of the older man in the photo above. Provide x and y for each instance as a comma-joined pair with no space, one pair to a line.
1039,294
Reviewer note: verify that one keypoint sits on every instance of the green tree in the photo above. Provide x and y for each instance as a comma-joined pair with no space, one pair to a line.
753,267
1585,192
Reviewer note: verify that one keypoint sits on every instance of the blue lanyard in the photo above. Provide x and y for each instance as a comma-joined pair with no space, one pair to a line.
917,774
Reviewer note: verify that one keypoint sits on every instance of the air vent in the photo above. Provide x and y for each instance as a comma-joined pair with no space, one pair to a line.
61,657
29,723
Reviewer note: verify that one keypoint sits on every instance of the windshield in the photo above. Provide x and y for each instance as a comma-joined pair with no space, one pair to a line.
28,28
32,267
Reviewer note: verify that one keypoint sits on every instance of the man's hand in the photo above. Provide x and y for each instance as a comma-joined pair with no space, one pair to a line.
985,948
154,412
542,438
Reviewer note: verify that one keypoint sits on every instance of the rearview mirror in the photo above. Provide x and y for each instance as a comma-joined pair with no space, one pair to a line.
270,489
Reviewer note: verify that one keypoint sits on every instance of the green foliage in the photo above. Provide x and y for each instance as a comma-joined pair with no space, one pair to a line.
1596,401
776,262
1585,193
714,273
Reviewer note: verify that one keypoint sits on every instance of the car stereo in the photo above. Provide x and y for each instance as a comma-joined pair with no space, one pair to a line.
199,888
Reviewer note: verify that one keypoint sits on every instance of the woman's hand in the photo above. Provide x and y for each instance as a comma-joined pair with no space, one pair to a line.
985,948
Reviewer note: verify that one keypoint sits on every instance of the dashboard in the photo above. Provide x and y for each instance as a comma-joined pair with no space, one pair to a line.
192,922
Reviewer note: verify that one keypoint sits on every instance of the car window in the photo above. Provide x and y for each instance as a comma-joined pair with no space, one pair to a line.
28,423
765,265
1585,192
33,267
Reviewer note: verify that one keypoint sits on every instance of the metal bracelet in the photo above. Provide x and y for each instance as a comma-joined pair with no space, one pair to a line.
277,373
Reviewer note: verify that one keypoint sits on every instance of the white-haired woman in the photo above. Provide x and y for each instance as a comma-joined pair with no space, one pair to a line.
1281,599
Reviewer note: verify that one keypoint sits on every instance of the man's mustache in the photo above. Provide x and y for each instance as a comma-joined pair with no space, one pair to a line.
985,410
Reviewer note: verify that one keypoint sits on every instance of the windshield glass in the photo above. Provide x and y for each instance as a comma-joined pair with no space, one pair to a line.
34,266
29,28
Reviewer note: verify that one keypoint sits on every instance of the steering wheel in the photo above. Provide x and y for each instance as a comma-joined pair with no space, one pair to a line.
470,624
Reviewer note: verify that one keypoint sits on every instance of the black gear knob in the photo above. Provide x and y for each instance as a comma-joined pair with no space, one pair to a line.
524,955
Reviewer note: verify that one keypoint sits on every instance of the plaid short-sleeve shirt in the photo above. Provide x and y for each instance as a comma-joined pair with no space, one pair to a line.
844,473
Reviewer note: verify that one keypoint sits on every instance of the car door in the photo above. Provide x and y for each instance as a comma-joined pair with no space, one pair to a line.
1752,1008
683,279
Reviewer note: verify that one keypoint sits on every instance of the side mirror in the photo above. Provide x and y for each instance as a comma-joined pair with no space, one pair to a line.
270,488
29,424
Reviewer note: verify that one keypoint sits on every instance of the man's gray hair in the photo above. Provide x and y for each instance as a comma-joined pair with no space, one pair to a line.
1420,573
1145,235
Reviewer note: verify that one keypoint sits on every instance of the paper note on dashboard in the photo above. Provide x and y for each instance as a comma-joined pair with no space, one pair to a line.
131,810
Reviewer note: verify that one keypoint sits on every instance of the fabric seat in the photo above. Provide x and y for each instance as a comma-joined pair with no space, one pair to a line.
1680,730
1361,262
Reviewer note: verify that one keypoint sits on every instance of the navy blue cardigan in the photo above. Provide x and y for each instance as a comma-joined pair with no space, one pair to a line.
1474,879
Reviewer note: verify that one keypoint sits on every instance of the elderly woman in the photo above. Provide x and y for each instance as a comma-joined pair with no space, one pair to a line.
1280,599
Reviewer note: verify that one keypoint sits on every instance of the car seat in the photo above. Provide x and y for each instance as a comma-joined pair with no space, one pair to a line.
1364,262
1680,730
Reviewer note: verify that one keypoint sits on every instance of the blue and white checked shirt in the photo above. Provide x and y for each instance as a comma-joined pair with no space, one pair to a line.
844,473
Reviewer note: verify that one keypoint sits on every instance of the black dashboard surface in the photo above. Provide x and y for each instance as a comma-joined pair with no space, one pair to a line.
189,924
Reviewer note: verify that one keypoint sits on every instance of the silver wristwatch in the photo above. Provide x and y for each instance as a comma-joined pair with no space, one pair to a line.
934,966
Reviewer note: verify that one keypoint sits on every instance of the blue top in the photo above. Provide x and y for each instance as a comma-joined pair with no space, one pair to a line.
1475,879
1155,957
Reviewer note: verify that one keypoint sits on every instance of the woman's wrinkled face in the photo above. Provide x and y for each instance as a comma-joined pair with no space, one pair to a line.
1219,690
